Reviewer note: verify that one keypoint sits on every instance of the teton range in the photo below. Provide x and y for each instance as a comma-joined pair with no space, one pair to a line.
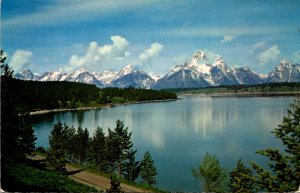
195,73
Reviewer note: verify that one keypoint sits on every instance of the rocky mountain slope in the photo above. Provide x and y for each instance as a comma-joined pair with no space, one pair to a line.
193,74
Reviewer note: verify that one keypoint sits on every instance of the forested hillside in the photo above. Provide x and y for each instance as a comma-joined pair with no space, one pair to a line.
34,95
267,88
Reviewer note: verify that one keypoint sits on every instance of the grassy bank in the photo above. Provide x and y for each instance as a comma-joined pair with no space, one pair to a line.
24,178
93,169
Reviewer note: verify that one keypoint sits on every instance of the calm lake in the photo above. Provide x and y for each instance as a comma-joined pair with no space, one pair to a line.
179,133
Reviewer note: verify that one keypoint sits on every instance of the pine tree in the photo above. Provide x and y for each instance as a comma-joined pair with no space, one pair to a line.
81,144
241,179
212,177
132,167
56,153
115,186
69,134
119,144
99,149
285,174
148,169
17,136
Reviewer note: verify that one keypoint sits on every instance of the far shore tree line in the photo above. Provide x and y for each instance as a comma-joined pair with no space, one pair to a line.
112,154
265,88
38,95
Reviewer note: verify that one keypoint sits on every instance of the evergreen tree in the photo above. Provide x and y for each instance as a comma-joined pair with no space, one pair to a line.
17,136
69,134
119,144
6,71
115,186
212,177
148,169
285,174
56,153
82,144
132,167
241,179
26,140
99,149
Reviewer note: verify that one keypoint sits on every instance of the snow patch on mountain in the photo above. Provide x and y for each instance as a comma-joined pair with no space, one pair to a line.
106,76
198,72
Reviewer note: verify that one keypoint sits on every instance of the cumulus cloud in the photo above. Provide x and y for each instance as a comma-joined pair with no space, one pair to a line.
258,46
296,57
227,38
20,60
96,55
269,55
150,53
210,56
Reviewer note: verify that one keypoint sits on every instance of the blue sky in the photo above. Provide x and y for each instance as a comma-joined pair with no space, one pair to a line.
154,35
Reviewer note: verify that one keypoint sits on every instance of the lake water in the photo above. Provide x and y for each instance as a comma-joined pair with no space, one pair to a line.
179,133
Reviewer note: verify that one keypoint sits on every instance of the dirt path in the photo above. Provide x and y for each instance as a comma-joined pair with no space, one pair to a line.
97,181
91,179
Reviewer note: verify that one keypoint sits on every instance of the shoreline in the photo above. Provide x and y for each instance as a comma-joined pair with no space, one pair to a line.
105,106
213,94
244,94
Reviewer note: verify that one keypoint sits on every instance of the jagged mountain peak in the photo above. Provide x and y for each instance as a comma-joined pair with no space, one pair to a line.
198,72
284,64
124,71
199,55
285,71
128,68
219,61
129,77
106,76
81,70
177,68
26,74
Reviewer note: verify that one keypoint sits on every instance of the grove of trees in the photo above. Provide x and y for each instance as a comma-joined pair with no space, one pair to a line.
36,95
112,153
265,88
18,173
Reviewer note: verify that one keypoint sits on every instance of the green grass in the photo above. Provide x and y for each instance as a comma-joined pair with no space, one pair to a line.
21,177
94,170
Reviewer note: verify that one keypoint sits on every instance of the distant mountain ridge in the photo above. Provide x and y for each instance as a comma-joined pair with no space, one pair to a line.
192,74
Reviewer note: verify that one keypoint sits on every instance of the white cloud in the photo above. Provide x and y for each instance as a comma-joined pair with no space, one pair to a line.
227,38
20,60
258,46
296,57
210,56
96,55
269,55
150,53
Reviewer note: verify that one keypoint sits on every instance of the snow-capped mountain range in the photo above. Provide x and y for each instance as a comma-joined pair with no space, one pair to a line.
195,73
